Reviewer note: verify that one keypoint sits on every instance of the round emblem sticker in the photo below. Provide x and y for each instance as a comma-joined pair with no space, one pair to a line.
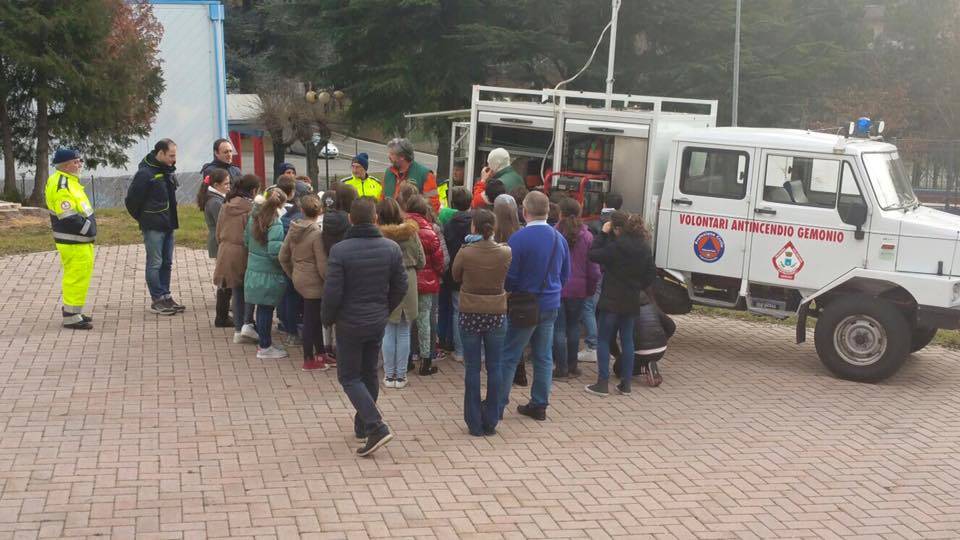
708,247
65,205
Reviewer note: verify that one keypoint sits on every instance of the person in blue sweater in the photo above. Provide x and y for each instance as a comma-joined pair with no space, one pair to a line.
540,265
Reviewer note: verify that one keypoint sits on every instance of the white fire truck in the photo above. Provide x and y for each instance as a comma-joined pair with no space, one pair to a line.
772,221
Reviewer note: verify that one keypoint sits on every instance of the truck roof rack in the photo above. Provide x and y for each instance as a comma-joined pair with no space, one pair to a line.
594,100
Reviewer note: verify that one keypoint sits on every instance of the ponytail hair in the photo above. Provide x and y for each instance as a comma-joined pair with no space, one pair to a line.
570,223
629,224
266,214
484,222
216,176
246,186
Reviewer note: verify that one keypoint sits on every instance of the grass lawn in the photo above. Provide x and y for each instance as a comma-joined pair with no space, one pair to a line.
114,227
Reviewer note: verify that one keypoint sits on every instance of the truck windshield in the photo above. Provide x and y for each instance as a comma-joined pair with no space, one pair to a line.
889,180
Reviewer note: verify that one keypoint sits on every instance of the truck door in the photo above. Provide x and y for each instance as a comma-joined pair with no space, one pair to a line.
797,239
708,202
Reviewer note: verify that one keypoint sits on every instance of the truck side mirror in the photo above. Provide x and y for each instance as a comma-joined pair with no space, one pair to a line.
855,214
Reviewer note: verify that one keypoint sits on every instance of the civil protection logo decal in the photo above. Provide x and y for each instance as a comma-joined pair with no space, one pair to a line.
708,247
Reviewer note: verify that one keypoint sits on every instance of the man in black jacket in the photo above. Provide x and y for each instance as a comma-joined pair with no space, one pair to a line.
223,159
152,201
453,234
365,282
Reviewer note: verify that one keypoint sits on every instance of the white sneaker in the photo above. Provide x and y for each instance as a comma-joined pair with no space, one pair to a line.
400,383
587,355
389,383
271,353
238,338
249,333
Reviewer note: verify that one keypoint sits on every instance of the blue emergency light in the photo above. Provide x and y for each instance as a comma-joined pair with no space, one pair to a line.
863,126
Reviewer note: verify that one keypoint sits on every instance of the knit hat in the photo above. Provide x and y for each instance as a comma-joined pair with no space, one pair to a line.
284,167
363,159
64,155
498,159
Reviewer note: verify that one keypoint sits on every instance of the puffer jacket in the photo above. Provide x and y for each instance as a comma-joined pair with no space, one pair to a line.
264,282
365,280
453,233
231,251
428,279
584,273
152,196
405,235
628,270
303,258
335,226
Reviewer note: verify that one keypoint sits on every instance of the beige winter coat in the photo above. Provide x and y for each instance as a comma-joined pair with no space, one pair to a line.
303,259
232,253
405,235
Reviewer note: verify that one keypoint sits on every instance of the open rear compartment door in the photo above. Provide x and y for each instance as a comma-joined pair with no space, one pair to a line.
525,136
598,157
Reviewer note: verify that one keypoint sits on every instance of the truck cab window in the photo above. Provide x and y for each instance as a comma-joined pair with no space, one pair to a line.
713,172
850,194
801,181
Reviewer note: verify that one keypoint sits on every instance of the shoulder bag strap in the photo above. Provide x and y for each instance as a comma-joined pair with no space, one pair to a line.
543,284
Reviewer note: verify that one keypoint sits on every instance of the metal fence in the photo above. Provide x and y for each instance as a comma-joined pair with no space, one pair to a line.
109,191
934,169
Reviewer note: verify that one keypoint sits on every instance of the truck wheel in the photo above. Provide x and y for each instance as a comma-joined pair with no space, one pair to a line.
672,297
861,338
922,336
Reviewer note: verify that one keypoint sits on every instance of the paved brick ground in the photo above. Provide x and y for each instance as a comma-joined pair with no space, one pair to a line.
160,428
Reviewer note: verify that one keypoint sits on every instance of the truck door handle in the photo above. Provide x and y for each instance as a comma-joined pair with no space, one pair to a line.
686,202
510,120
767,211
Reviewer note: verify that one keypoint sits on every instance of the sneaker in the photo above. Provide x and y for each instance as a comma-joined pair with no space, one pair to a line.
162,307
238,338
271,353
86,318
400,383
623,388
537,413
598,389
294,340
653,376
389,382
576,372
587,355
176,305
250,333
82,325
315,364
330,358
375,442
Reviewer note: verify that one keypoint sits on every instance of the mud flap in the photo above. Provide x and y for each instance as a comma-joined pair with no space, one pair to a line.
802,323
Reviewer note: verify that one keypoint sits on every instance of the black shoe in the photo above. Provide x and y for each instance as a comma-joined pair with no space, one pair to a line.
557,374
411,364
82,325
86,318
576,372
624,387
223,319
375,442
537,413
476,433
427,368
489,432
223,323
175,305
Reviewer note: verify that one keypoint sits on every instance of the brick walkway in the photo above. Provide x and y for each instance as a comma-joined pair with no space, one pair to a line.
161,428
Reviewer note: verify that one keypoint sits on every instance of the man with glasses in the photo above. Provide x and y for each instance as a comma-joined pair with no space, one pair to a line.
74,231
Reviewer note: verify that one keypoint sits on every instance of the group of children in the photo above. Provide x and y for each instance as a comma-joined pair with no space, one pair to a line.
271,251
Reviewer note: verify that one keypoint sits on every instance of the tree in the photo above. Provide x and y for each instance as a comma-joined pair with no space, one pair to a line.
88,73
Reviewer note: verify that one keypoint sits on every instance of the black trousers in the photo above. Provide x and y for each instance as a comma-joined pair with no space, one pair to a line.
312,328
358,350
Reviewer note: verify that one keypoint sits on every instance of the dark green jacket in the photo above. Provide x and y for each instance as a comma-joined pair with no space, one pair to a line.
510,178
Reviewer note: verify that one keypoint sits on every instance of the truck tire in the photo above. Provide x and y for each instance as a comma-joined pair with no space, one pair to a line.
861,338
672,297
922,336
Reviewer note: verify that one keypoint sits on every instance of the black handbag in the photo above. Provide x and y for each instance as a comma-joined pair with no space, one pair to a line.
523,308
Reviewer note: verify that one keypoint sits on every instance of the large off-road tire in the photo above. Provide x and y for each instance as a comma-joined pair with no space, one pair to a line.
672,297
922,336
862,338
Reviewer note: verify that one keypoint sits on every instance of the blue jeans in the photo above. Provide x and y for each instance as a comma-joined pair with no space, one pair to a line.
590,319
609,325
457,337
445,321
264,319
396,349
357,352
159,245
242,311
566,335
540,338
290,310
482,416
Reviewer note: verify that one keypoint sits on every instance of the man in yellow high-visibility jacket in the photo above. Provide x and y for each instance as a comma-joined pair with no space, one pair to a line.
74,231
366,185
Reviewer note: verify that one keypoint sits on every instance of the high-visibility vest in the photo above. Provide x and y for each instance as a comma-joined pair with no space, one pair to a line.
366,187
71,214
